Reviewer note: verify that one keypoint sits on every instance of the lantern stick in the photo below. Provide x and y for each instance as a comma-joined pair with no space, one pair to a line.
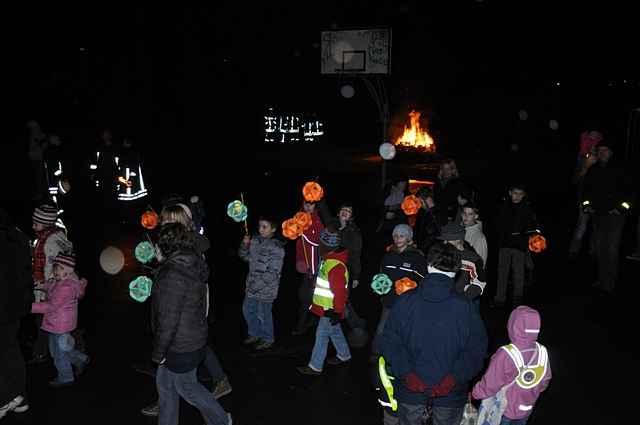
246,228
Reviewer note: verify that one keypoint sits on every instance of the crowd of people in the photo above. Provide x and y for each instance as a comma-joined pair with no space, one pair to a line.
430,344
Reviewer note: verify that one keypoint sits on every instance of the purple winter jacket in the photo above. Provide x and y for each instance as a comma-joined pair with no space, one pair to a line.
61,308
523,327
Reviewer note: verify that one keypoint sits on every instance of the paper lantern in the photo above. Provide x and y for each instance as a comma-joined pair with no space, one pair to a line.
537,243
140,288
303,219
411,205
381,284
347,91
111,260
312,192
387,151
237,211
149,220
145,252
291,229
403,285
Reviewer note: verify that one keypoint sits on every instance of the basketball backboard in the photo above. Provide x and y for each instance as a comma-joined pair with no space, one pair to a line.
366,51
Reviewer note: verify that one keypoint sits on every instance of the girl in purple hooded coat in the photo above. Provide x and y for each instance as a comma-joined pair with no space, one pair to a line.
522,366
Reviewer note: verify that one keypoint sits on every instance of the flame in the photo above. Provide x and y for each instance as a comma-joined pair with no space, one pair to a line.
415,137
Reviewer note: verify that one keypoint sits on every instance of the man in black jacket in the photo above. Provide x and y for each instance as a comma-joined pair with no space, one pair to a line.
16,296
606,197
180,327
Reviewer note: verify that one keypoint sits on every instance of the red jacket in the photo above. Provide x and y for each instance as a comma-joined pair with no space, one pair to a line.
338,285
307,247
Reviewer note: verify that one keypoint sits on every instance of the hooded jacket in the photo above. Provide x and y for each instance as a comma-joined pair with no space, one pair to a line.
265,257
434,332
409,263
523,327
179,305
475,237
61,308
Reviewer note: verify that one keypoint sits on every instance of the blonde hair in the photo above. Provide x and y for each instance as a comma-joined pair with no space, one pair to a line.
452,164
176,214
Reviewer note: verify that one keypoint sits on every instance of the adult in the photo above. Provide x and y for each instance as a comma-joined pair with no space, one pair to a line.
435,342
446,191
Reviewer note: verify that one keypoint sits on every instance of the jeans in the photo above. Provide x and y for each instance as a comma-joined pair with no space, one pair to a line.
324,332
12,372
507,421
171,386
212,364
377,340
64,355
412,414
259,318
579,231
510,259
608,237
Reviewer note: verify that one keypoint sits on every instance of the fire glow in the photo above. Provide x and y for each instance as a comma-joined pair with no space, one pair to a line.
414,137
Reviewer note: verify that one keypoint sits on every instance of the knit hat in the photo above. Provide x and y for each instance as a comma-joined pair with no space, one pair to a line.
330,239
67,260
45,214
403,230
186,209
452,232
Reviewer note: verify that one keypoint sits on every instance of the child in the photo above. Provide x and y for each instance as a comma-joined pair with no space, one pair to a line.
522,367
60,318
473,231
516,223
265,254
330,297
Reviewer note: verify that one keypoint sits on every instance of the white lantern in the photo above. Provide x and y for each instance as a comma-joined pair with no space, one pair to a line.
111,260
387,151
553,125
523,115
347,91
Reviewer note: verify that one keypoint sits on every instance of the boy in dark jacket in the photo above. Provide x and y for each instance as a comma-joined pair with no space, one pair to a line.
516,222
435,342
265,255
180,326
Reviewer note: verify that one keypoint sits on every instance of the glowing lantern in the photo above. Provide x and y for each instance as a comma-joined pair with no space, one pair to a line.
149,220
291,229
537,243
312,192
140,288
145,252
237,211
381,284
303,219
403,285
387,151
411,205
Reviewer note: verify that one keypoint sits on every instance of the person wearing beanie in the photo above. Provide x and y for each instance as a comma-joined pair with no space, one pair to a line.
60,318
518,372
50,242
607,198
470,280
330,297
403,260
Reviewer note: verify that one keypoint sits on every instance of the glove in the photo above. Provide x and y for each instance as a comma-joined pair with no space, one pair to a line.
414,383
334,316
443,387
355,283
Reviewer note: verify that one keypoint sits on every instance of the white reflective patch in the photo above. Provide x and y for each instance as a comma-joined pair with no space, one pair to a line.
93,167
57,172
525,408
323,293
532,331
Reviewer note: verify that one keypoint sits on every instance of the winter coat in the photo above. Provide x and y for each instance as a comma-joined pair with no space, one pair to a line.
307,247
502,370
265,257
408,263
337,283
433,332
61,308
16,281
606,187
471,278
516,222
475,237
426,229
179,305
352,241
445,194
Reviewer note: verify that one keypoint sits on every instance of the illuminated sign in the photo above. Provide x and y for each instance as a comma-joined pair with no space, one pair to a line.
291,127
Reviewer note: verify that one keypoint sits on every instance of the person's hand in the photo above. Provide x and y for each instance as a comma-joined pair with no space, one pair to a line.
390,215
414,383
588,210
334,316
246,240
355,283
589,160
443,387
